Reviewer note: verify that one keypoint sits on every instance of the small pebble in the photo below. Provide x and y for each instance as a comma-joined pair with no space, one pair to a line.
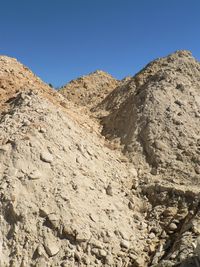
172,226
46,157
109,190
125,244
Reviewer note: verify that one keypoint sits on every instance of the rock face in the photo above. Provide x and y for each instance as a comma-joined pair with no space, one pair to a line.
156,114
89,90
70,197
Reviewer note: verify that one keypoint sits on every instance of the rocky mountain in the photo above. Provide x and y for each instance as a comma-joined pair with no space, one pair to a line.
89,90
118,186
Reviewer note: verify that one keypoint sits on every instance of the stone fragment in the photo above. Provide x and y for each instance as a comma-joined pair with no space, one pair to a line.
42,130
172,226
142,226
125,244
41,262
133,172
95,251
83,235
96,243
154,171
135,184
164,234
77,256
169,212
46,157
35,175
131,205
160,145
179,102
102,253
152,235
139,261
85,260
109,190
197,169
41,250
54,220
51,246
124,234
5,148
109,260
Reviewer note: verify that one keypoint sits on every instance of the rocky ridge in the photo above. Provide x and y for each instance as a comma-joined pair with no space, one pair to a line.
90,89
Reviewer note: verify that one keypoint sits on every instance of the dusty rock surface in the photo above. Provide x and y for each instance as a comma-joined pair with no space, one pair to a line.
122,193
156,114
55,188
15,78
113,100
90,89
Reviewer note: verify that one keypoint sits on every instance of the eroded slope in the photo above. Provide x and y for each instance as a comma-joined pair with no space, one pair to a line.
89,90
68,197
64,195
160,118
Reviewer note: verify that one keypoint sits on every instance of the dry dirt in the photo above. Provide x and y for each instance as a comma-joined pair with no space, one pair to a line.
89,90
118,186
158,117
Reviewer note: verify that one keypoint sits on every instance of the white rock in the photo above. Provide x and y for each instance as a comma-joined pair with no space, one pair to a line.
51,248
12,172
133,172
172,226
83,235
125,244
109,260
102,253
46,157
124,234
54,219
5,148
35,174
40,250
152,235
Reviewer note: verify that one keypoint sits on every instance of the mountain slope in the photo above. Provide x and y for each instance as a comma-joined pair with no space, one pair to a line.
89,90
64,196
160,118
69,197
15,78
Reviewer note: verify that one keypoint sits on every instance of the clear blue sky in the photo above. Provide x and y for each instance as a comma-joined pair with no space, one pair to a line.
60,40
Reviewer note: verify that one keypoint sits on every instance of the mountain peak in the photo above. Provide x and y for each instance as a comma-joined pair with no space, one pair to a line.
90,89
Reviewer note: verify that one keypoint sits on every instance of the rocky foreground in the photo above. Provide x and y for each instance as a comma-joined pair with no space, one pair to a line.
117,185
